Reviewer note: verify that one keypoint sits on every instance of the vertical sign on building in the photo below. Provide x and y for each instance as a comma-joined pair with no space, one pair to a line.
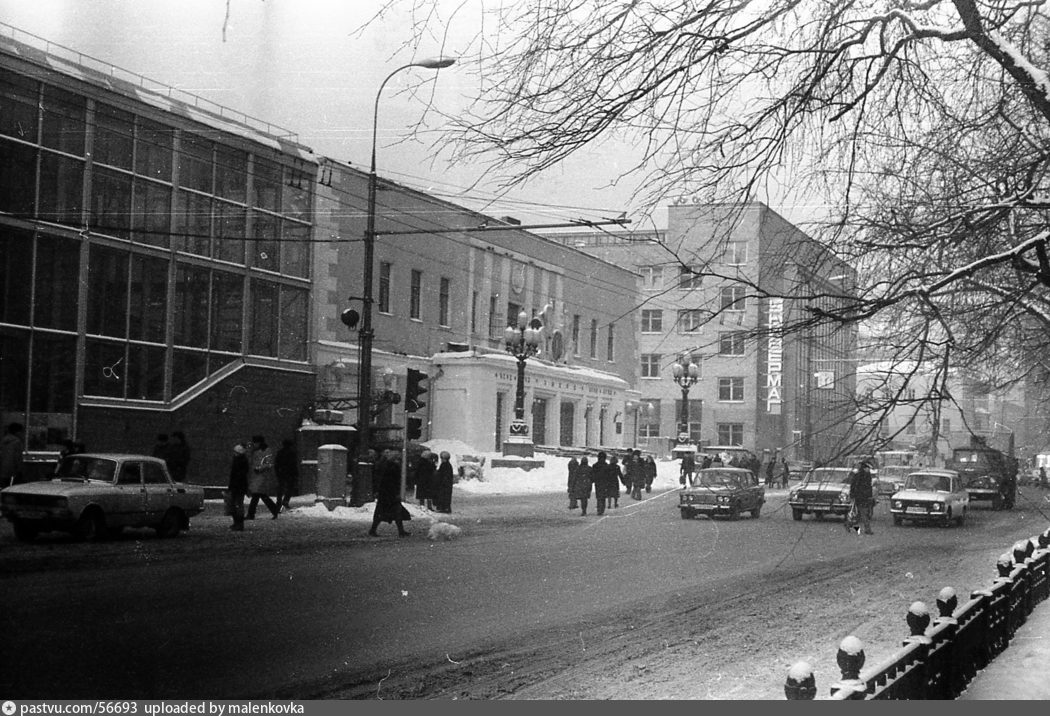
775,357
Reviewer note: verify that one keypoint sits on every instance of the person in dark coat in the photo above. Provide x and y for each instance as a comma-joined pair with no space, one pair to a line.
785,472
603,474
12,454
650,472
426,476
634,474
388,496
685,473
238,485
863,496
574,464
580,489
443,484
286,467
178,456
770,472
615,477
261,481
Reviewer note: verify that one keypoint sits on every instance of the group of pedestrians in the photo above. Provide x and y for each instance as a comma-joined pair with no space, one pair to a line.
434,480
257,472
175,452
604,477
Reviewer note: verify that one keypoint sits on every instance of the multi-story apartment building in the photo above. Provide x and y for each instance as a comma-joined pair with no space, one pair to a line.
717,287
155,266
447,283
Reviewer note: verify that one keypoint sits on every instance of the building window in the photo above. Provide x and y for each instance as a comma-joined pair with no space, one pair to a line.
443,299
689,277
108,292
650,365
384,287
594,338
513,309
652,277
414,295
652,320
649,419
576,335
227,315
730,434
731,344
689,320
736,253
495,330
732,298
731,389
610,343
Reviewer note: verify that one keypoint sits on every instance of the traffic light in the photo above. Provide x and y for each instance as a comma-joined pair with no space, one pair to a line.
414,428
413,390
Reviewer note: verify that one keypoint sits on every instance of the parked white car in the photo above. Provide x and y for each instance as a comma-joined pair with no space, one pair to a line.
931,496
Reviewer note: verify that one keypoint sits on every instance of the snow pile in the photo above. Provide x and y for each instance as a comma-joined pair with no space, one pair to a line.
443,531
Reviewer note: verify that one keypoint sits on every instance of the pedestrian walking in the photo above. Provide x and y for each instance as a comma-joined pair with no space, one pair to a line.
785,473
601,474
615,477
1042,477
650,472
286,468
238,485
574,465
12,454
388,496
863,496
443,484
634,472
262,482
771,472
580,489
426,478
685,473
178,456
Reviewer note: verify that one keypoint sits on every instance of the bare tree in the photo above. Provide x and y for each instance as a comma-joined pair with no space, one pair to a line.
923,125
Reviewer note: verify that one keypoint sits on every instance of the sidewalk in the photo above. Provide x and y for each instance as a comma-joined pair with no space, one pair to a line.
1020,672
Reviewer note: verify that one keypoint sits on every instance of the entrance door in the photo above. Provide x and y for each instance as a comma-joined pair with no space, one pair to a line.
539,421
568,425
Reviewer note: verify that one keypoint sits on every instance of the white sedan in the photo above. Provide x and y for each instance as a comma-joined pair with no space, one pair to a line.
931,496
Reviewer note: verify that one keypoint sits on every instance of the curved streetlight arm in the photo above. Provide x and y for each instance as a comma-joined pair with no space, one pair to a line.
436,64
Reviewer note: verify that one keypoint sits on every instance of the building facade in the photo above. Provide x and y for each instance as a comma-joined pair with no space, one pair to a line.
447,283
716,288
155,264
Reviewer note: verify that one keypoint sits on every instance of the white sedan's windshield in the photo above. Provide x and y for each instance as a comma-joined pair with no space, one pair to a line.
829,476
715,478
938,483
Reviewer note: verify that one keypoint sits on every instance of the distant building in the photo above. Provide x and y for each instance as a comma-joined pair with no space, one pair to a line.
757,387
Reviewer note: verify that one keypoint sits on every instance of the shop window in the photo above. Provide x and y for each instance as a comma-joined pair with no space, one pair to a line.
107,292
192,230
16,263
266,185
187,369
61,189
151,217
56,283
231,174
149,299
110,203
195,163
230,223
105,368
17,178
153,149
145,372
227,315
18,97
297,195
296,249
14,371
191,306
293,323
265,248
264,318
730,434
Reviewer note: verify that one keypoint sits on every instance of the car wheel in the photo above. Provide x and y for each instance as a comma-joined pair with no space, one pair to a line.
898,520
25,531
796,515
687,514
91,527
170,524
756,512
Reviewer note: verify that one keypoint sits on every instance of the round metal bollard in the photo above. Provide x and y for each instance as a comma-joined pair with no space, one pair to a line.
850,657
947,601
801,685
918,618
1005,565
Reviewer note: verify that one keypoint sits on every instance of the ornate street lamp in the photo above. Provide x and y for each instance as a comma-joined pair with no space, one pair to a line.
361,487
522,341
685,372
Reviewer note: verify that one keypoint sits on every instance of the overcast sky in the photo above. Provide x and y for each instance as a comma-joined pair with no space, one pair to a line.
303,65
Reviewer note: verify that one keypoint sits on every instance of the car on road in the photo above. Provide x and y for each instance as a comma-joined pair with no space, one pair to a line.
892,477
726,491
823,491
95,495
931,496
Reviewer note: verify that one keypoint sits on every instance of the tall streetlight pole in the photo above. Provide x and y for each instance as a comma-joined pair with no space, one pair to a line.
685,372
522,341
361,488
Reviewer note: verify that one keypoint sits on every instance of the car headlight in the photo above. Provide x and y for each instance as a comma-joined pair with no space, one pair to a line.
937,507
723,499
898,505
844,496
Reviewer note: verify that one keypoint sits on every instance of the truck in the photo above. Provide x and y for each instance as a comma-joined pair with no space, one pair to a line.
988,474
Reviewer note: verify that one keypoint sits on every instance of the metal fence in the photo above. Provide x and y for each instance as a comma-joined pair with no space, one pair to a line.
942,655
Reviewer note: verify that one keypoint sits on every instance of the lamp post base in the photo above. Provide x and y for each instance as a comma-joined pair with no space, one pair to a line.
519,447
